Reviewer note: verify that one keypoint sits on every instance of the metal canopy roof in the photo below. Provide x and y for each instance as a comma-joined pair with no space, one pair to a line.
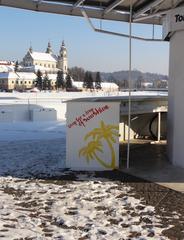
144,11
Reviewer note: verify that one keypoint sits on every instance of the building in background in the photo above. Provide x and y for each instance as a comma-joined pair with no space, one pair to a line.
6,66
46,61
24,78
16,80
21,77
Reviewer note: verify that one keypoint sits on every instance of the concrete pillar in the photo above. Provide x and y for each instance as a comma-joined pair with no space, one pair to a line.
173,30
123,131
159,126
175,128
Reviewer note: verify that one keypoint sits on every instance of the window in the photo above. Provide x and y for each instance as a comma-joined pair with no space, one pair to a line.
20,82
49,65
12,81
17,82
44,65
25,82
29,82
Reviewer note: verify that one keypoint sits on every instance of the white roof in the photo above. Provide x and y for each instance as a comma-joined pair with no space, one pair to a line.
4,62
35,68
6,68
103,85
43,56
23,75
52,76
8,75
26,75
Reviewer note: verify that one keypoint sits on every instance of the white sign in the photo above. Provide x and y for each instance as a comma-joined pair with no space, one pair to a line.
92,135
174,21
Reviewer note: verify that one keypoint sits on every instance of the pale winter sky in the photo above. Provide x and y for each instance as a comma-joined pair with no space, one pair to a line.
87,49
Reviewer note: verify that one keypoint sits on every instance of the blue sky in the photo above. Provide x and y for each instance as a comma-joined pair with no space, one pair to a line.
87,49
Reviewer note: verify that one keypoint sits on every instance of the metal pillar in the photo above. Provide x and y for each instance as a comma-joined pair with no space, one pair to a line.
130,86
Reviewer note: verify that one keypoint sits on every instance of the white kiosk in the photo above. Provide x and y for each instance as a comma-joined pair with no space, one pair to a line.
92,141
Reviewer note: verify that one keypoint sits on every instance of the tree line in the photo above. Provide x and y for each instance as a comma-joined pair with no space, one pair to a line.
91,83
90,80
44,83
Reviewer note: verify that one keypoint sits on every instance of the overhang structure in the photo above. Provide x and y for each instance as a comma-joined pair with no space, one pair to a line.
144,11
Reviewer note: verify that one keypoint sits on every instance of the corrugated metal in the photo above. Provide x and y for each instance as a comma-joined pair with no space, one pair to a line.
96,8
125,5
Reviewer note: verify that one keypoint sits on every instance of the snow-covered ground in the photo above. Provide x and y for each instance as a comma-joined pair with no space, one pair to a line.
89,209
30,149
32,206
17,131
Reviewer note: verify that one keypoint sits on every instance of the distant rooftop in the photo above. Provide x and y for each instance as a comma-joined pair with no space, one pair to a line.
43,56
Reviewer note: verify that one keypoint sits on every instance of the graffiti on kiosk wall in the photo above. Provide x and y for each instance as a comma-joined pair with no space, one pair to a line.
87,116
109,133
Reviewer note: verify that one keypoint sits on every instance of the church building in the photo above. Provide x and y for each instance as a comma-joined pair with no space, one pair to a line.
46,61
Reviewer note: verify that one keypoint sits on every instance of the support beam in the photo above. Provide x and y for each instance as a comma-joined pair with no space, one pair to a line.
150,16
147,8
112,6
84,13
78,3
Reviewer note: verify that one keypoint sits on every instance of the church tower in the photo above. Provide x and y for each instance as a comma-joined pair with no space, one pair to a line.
49,49
30,49
63,60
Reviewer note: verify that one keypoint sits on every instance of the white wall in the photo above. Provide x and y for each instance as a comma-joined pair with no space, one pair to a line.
176,100
21,103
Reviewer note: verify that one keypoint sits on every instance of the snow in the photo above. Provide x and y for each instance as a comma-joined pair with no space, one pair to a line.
34,205
26,75
72,95
44,56
104,85
40,209
6,68
31,149
8,75
17,131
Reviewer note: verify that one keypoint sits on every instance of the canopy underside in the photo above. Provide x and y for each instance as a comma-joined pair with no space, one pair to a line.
144,11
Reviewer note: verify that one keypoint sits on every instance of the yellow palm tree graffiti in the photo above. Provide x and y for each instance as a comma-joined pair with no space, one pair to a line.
107,132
